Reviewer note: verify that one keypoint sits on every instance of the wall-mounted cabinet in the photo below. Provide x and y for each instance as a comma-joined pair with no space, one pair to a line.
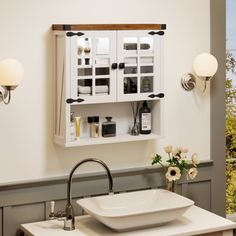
99,70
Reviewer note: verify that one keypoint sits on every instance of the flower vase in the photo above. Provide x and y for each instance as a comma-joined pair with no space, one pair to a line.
172,186
135,129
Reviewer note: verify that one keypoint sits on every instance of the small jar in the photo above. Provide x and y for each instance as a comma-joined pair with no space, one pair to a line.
109,127
94,126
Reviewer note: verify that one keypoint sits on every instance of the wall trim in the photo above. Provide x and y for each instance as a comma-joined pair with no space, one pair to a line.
89,176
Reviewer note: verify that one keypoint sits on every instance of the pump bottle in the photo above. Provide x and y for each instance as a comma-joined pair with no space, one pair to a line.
145,119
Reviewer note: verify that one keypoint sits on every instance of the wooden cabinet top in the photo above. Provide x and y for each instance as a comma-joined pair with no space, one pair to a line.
68,27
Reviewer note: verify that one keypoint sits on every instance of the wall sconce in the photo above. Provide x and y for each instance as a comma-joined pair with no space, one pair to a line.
11,74
205,66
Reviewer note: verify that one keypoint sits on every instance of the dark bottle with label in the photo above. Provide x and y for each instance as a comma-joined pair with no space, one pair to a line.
109,127
145,119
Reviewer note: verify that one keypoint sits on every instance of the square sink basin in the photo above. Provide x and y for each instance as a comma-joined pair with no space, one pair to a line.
139,209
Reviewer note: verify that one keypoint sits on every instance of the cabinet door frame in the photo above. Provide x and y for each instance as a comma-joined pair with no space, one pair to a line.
157,73
111,76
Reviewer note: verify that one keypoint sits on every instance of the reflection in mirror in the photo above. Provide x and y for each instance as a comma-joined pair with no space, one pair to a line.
130,85
102,71
102,61
84,46
102,86
130,60
130,44
84,71
130,70
146,44
146,60
103,46
146,84
146,69
84,87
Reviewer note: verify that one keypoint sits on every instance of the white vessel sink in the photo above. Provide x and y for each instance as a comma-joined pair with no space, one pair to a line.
128,211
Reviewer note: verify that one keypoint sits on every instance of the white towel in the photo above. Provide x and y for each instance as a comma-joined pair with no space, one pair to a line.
88,89
100,94
101,89
84,89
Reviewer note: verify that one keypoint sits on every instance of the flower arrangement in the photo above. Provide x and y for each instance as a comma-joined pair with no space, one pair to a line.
177,165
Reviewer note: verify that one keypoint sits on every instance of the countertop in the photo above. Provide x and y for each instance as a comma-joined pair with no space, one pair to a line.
195,221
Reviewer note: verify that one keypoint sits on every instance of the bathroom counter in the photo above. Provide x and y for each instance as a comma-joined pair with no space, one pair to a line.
195,221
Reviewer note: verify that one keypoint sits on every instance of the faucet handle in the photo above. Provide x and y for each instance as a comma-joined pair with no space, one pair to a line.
52,206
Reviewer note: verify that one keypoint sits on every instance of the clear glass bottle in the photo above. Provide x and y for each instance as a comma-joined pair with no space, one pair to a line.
94,126
87,50
72,127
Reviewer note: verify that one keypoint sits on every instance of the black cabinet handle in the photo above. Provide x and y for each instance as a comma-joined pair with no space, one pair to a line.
71,100
122,65
114,66
159,95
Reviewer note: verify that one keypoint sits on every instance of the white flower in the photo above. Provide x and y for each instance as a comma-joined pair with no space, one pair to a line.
173,173
168,149
195,160
175,151
182,157
192,173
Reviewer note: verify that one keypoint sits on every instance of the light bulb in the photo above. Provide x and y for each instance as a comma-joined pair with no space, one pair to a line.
11,72
205,65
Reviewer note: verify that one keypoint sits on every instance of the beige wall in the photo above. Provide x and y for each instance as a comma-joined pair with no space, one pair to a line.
26,127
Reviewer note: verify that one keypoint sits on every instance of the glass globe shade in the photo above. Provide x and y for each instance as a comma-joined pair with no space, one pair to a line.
11,72
205,65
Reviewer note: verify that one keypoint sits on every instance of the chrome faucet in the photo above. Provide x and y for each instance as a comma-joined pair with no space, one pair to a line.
69,221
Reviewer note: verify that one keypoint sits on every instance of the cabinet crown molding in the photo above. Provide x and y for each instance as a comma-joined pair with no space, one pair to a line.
68,27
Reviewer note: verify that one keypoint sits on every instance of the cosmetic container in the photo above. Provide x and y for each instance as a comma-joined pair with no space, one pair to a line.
109,127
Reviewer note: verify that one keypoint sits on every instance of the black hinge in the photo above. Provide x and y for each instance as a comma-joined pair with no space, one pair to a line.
70,34
71,100
159,95
157,32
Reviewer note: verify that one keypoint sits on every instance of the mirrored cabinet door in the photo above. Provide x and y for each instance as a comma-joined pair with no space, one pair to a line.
93,77
139,72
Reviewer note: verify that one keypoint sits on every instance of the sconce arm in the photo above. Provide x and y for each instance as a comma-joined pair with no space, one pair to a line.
5,92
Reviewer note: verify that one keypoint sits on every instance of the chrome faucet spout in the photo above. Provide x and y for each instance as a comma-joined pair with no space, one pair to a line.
70,218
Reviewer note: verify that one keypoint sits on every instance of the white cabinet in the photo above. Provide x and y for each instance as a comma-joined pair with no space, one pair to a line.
99,70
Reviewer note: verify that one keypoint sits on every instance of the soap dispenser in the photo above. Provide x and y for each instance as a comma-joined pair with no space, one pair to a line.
145,121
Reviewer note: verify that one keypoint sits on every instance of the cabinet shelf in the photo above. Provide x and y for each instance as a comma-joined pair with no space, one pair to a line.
102,140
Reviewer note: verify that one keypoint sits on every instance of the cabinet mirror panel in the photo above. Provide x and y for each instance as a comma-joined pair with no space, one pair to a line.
146,69
146,60
130,45
84,46
102,61
102,46
130,60
84,87
85,71
146,84
102,86
146,44
130,85
102,71
130,70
